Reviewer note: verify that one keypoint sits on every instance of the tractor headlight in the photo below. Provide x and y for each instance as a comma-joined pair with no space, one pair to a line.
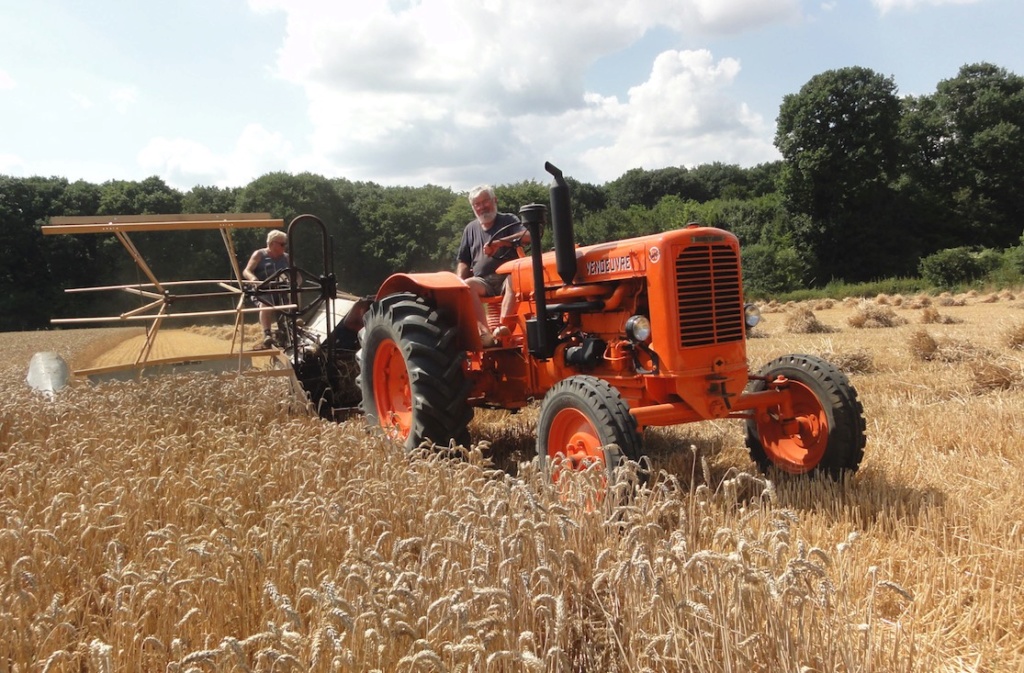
638,329
751,315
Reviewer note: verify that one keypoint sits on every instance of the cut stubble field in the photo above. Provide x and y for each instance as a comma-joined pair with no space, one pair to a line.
211,523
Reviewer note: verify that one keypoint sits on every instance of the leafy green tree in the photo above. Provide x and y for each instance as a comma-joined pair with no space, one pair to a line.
770,270
764,219
838,138
639,187
28,288
202,199
151,196
586,198
763,179
403,230
952,267
718,180
79,198
966,156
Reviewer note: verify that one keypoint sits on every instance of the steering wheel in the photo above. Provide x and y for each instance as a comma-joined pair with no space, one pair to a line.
521,248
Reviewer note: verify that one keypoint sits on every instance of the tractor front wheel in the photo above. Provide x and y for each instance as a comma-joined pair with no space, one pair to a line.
584,420
410,373
824,429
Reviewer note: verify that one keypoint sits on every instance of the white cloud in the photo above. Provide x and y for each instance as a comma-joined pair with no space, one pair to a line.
185,163
682,115
6,81
396,90
885,6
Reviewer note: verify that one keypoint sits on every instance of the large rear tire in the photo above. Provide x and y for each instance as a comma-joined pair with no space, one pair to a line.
583,419
827,432
410,374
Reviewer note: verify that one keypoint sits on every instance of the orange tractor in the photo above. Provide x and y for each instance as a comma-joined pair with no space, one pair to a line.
613,338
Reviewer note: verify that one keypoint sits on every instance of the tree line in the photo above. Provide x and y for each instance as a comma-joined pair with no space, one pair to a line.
870,186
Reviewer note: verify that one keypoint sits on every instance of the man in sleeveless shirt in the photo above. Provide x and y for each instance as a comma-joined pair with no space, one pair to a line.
263,264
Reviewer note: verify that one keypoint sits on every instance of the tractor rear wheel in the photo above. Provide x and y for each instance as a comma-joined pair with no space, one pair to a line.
827,432
583,419
411,376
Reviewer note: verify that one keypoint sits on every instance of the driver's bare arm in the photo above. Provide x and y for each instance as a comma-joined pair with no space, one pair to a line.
250,269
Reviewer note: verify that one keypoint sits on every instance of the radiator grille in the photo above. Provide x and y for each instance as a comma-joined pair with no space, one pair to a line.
709,295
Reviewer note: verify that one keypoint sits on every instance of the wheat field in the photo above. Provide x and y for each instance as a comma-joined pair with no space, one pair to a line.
204,523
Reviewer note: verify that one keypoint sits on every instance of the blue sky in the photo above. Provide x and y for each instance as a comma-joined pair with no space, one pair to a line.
445,92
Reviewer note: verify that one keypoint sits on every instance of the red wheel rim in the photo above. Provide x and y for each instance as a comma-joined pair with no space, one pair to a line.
797,446
574,439
392,392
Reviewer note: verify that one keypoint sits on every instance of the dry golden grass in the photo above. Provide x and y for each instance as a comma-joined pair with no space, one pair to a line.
202,523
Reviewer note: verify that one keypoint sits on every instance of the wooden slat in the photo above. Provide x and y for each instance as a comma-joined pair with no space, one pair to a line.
171,225
179,217
193,314
147,287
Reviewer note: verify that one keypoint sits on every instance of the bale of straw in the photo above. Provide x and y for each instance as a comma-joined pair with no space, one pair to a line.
1013,337
871,315
990,375
922,345
801,320
858,361
931,316
920,301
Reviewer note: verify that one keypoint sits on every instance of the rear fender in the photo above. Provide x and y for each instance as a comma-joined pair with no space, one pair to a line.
445,291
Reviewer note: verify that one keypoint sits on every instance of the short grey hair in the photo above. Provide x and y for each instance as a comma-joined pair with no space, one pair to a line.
480,189
276,235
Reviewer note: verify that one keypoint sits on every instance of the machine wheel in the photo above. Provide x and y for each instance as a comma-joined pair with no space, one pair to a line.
410,373
826,434
584,419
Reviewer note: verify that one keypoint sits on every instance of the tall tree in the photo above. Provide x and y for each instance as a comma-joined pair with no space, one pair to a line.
28,290
967,155
840,149
403,231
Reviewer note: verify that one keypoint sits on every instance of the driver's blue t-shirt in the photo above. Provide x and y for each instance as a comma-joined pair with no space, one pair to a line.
471,249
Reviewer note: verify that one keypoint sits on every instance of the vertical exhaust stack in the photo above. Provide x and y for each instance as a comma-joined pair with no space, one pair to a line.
542,330
561,226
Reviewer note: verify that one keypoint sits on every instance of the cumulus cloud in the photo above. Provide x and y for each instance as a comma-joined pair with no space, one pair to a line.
185,163
488,90
682,115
